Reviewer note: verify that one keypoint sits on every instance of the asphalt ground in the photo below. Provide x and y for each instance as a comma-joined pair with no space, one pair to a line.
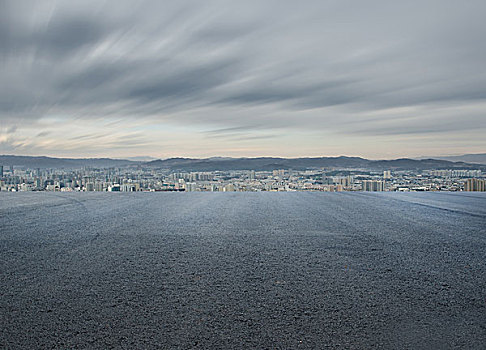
243,270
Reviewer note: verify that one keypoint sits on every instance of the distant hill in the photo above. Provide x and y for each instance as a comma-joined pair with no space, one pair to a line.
271,163
67,163
141,159
479,158
225,163
262,163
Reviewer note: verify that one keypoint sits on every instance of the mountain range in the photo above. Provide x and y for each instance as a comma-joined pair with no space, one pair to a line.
272,163
479,158
66,163
226,163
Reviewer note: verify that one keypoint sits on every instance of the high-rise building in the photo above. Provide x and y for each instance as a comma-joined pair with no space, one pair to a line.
1,170
476,185
345,181
373,186
387,174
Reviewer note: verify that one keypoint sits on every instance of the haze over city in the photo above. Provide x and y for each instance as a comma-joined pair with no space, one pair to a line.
376,79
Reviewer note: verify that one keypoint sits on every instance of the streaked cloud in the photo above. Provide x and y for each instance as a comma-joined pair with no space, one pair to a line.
191,78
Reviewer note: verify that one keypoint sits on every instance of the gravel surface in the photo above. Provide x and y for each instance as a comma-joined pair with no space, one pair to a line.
243,270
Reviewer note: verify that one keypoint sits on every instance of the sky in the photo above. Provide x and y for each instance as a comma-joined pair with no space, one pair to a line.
377,79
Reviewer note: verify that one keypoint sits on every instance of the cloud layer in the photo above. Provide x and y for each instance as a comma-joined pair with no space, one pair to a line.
124,78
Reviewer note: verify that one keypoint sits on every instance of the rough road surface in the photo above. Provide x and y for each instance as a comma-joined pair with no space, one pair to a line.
243,270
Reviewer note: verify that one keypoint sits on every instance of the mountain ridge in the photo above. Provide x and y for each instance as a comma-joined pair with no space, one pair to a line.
479,158
243,163
272,163
53,162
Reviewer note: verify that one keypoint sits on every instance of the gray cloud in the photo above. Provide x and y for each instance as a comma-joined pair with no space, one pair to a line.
271,66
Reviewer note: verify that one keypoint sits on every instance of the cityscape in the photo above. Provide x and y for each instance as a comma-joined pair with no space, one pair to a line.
147,179
223,174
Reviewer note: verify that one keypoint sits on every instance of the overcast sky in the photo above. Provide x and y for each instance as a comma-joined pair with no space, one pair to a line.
378,79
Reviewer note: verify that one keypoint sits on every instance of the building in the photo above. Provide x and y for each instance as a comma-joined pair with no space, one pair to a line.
52,188
129,187
1,170
38,183
229,188
114,188
344,181
387,174
475,185
373,186
190,187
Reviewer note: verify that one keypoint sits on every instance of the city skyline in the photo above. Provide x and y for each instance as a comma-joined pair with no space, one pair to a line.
379,80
